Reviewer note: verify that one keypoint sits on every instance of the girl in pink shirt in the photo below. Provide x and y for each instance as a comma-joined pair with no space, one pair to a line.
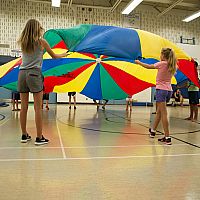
166,69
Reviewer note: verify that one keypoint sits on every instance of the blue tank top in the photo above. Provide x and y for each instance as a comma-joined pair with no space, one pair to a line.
33,60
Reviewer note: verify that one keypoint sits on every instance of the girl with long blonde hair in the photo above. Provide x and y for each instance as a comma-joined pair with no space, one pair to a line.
30,77
166,69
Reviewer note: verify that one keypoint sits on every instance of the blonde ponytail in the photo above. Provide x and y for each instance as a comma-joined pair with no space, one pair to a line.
169,55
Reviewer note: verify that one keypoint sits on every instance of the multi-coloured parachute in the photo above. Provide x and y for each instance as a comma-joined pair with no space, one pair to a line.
101,62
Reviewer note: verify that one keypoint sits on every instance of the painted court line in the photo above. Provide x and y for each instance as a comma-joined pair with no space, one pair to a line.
95,158
4,122
61,143
92,147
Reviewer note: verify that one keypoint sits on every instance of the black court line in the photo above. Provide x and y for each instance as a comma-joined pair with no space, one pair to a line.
191,144
161,133
181,133
107,131
99,130
2,117
186,120
118,132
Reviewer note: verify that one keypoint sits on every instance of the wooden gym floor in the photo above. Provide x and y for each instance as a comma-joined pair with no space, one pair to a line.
99,155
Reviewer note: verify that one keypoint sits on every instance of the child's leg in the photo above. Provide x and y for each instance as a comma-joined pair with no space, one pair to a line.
126,105
70,100
158,116
104,104
130,103
13,104
195,112
95,102
74,97
165,123
191,113
47,104
38,112
17,103
23,113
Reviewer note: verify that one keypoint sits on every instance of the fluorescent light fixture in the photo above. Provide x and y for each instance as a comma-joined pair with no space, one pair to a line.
192,17
56,3
131,6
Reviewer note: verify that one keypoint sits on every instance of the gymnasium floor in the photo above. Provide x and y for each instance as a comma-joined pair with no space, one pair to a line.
99,155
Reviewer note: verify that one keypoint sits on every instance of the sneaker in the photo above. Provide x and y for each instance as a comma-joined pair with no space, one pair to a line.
151,133
41,141
167,141
25,138
103,107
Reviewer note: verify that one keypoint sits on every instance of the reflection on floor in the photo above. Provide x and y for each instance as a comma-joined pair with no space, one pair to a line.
99,155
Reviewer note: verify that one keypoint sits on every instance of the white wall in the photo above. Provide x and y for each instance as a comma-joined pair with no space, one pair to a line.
63,97
144,96
191,50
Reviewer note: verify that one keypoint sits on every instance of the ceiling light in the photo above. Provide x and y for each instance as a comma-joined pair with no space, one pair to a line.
131,6
56,3
192,17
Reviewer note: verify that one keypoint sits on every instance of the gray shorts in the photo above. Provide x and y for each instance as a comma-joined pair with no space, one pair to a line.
30,80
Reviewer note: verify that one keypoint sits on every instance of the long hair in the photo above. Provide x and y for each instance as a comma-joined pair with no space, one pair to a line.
169,55
30,36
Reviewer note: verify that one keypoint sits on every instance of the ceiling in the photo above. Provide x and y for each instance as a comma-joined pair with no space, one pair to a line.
160,5
192,5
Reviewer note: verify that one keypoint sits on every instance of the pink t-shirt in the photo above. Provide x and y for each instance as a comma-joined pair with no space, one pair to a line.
163,79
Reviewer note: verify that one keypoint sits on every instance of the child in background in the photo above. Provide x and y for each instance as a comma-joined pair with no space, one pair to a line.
72,94
178,97
193,93
105,101
129,101
15,101
166,69
96,103
46,97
